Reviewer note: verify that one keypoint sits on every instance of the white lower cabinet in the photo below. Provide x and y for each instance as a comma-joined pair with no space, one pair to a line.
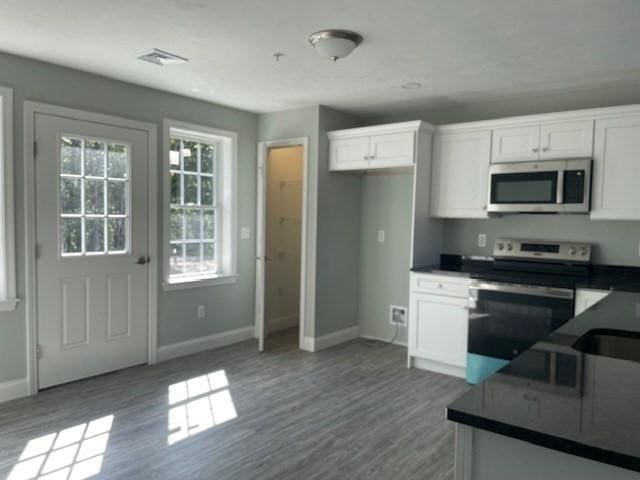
438,326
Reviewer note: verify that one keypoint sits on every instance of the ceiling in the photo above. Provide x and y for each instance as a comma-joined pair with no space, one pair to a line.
459,50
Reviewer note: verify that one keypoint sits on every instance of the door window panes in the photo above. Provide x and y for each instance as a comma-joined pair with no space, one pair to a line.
192,211
94,196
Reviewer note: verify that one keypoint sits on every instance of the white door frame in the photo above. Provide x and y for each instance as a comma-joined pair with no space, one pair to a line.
309,225
30,111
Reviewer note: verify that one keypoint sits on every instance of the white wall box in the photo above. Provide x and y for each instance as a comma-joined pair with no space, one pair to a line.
438,323
586,298
543,141
616,172
460,174
382,146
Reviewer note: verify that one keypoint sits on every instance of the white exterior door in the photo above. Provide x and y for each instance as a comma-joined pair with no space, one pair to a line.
91,223
516,144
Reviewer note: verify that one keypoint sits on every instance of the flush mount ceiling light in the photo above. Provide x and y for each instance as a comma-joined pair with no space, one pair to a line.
162,58
335,44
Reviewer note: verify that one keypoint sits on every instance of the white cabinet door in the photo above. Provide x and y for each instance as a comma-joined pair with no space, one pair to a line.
616,172
349,154
438,328
586,298
566,140
460,175
516,144
392,150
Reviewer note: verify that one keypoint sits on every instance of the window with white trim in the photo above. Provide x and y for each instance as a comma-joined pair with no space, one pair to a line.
7,226
199,205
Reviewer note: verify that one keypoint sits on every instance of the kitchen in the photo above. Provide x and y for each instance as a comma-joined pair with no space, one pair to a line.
557,175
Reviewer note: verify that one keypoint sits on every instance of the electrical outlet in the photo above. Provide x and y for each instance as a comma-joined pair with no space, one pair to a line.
482,240
381,236
245,233
398,315
201,311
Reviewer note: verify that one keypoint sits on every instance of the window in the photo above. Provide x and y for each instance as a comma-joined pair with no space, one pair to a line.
94,193
199,206
7,240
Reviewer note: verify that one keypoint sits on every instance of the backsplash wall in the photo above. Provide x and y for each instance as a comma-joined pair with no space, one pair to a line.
615,243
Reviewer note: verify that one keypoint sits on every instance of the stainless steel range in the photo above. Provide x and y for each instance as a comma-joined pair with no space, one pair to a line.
527,294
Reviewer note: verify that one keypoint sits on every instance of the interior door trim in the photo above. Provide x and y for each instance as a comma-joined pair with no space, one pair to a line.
29,160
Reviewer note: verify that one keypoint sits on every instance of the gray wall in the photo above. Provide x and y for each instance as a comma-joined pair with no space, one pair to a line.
229,306
616,243
386,205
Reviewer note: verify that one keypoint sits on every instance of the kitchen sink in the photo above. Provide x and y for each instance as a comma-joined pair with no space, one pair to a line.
621,344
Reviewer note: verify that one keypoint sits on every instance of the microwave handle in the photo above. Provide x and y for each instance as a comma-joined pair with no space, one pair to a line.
560,187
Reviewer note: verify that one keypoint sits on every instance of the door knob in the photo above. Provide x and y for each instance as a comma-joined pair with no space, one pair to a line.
143,260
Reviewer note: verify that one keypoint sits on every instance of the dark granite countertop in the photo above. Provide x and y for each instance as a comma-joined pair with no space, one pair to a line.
591,409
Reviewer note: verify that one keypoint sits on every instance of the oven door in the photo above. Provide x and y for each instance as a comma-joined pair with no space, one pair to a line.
527,187
506,319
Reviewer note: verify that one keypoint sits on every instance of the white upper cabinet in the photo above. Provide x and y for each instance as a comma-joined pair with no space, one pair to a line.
350,153
566,140
616,169
393,149
543,142
460,174
381,146
516,144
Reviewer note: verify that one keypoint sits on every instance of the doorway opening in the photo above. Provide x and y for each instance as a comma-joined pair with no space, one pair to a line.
280,299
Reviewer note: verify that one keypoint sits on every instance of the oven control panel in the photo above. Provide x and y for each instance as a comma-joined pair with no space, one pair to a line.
542,250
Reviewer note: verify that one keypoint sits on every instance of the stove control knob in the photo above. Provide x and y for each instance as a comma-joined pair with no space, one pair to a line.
572,250
509,247
500,246
583,251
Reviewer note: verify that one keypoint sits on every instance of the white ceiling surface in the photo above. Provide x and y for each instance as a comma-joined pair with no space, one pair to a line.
459,50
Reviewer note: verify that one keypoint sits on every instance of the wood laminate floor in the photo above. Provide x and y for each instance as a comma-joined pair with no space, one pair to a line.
350,412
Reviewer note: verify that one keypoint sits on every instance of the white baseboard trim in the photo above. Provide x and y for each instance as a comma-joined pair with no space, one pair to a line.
335,338
180,349
14,389
282,323
386,340
434,366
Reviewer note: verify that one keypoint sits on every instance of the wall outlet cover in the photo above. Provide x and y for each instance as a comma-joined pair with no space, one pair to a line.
201,311
245,233
381,235
482,240
398,315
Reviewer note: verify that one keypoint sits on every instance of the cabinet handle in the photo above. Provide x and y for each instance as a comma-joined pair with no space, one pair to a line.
545,149
535,150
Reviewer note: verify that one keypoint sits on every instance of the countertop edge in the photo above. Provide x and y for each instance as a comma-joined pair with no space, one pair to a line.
545,440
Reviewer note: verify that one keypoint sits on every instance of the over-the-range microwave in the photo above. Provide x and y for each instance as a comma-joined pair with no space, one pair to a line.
547,186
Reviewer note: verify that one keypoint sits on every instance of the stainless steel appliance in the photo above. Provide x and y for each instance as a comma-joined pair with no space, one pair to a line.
527,294
549,186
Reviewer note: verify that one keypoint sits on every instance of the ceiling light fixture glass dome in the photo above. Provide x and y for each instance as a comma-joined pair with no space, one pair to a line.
335,44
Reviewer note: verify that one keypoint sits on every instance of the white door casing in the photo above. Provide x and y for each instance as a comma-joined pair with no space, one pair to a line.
93,307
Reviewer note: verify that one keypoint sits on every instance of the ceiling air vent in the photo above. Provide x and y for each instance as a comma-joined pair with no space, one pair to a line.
162,58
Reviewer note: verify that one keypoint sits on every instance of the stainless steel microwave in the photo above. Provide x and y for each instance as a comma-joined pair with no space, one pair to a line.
548,186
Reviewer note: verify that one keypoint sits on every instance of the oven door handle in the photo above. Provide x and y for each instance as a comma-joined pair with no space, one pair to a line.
534,291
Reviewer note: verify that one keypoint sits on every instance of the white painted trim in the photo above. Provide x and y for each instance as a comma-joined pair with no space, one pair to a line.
30,111
309,237
589,114
7,207
438,367
282,323
335,338
229,173
14,389
384,340
411,126
188,347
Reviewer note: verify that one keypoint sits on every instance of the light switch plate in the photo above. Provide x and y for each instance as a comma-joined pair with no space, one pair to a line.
381,236
245,233
482,240
201,311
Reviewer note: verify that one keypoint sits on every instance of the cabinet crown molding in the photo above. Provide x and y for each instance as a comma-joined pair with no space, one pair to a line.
412,126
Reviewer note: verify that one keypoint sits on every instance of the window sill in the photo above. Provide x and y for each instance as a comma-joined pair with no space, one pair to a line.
9,305
200,282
